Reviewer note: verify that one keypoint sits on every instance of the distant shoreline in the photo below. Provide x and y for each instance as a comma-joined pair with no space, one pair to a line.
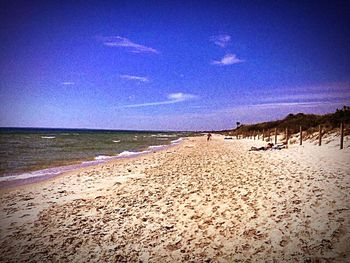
46,174
122,144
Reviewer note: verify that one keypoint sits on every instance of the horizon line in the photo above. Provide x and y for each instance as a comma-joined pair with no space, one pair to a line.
95,129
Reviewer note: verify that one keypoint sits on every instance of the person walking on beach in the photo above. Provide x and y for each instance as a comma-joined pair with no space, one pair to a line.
209,136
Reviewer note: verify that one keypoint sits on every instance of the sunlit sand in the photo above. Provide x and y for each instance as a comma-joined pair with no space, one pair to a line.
200,201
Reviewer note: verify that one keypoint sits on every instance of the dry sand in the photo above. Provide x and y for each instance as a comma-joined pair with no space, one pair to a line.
197,202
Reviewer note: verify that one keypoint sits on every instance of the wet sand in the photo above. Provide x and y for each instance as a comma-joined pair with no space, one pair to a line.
197,202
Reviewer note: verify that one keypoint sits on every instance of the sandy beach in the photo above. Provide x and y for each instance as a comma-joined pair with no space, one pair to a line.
198,201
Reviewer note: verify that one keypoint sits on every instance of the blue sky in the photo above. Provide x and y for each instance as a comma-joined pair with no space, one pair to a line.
170,65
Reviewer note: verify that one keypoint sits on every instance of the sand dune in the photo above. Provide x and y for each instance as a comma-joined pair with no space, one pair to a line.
197,202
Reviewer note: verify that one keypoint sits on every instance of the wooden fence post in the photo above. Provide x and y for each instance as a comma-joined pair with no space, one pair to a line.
258,135
254,135
301,136
263,135
275,135
341,135
269,135
319,135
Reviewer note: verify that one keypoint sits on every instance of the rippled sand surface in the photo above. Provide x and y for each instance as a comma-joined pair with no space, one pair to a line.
197,202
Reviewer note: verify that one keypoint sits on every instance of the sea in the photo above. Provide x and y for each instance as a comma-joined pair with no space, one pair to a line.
33,154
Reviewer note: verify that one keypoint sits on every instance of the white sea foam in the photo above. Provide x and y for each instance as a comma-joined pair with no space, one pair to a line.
48,137
29,175
103,157
116,140
128,154
166,135
177,141
154,147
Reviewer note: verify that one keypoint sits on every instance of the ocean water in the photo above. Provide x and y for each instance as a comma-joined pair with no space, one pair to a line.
27,152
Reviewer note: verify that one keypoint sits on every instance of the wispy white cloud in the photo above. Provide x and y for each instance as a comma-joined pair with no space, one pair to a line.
228,59
286,104
308,97
224,116
171,99
68,83
303,95
179,96
137,78
221,40
332,87
278,105
122,42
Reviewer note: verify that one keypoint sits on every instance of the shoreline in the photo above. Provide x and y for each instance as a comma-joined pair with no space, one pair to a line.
199,201
37,176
